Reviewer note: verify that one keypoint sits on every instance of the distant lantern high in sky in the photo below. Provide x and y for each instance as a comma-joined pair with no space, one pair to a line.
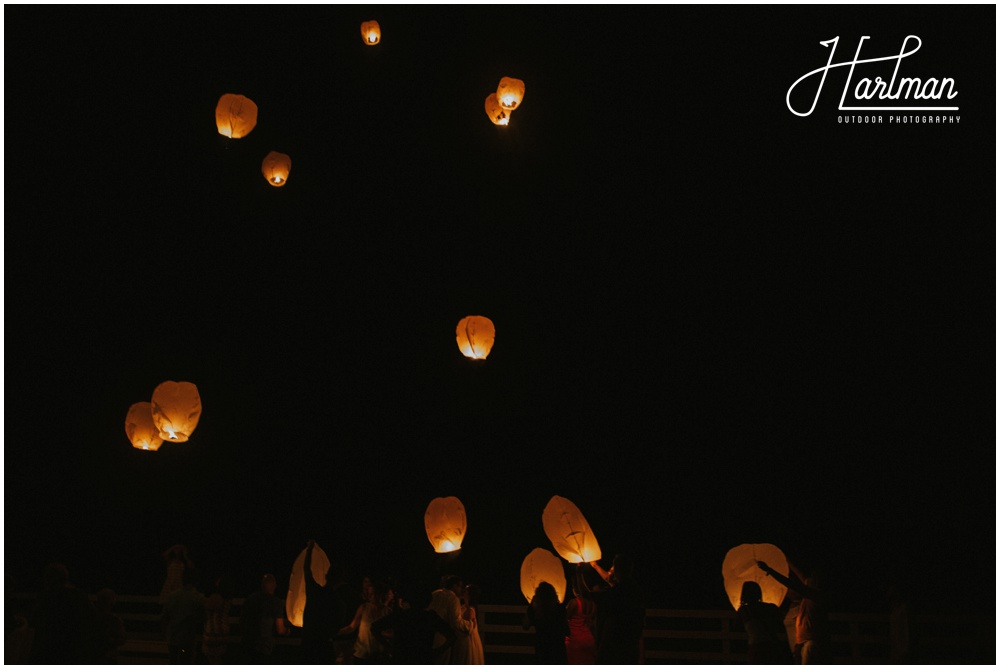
235,115
176,410
510,93
497,114
371,33
141,429
475,336
275,168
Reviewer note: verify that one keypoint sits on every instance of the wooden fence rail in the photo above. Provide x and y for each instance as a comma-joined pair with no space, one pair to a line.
671,636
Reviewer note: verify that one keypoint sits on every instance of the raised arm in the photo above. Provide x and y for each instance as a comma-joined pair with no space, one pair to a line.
606,575
797,584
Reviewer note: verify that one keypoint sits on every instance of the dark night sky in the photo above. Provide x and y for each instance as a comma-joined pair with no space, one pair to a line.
717,322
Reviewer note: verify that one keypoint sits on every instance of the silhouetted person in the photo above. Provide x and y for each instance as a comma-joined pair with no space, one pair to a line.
581,612
216,628
177,560
320,615
183,613
548,617
812,628
261,615
765,627
621,614
111,628
446,602
413,629
368,647
65,623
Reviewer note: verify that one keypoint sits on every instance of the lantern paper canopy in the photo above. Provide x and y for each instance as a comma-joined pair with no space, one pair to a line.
740,565
235,115
295,601
475,335
497,114
275,168
371,33
444,521
176,410
569,531
542,565
141,429
510,92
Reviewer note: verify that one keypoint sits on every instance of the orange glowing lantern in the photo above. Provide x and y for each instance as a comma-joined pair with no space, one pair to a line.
141,429
475,335
371,33
235,115
176,410
497,114
275,168
510,93
542,565
295,601
740,565
569,531
444,521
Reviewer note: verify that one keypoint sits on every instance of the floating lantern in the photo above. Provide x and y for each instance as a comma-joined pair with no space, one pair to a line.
510,92
371,33
740,565
141,429
235,115
475,335
569,531
275,168
176,410
444,521
542,565
295,601
497,114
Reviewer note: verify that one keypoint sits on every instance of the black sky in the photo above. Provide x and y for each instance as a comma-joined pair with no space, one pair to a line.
717,322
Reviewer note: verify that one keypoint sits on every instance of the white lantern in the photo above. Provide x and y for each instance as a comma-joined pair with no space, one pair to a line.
295,601
569,531
445,523
541,565
740,566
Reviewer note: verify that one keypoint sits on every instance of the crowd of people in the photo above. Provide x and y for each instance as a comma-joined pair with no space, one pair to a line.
381,620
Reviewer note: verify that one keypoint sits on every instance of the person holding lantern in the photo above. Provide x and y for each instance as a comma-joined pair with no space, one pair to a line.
621,614
546,614
812,633
765,627
322,611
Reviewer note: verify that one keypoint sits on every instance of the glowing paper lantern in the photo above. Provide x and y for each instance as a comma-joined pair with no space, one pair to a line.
569,531
510,92
371,33
235,115
740,565
176,410
295,601
542,565
475,335
141,429
497,114
444,521
275,168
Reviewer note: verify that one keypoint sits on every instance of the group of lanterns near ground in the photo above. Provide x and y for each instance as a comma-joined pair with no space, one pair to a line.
501,104
171,415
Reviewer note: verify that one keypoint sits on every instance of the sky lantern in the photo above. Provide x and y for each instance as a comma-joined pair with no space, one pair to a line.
235,115
444,521
475,335
295,601
497,114
541,565
371,33
740,565
510,92
569,531
141,429
275,168
176,410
